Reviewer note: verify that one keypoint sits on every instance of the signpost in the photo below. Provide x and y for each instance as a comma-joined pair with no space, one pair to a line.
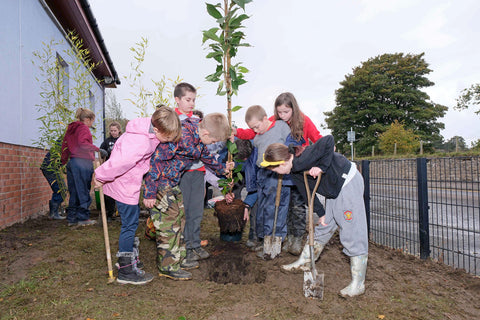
351,139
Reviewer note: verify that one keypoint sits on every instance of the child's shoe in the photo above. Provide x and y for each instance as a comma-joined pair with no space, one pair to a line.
86,223
127,271
176,275
189,264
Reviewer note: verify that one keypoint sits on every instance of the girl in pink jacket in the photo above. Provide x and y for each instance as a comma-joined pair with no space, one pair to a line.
122,175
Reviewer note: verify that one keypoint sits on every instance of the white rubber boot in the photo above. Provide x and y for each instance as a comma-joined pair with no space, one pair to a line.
358,267
303,262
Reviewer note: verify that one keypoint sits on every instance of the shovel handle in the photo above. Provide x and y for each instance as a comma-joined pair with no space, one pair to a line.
279,190
105,227
310,198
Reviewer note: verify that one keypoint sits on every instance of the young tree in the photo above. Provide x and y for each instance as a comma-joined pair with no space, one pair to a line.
224,42
64,87
144,99
469,96
396,137
384,89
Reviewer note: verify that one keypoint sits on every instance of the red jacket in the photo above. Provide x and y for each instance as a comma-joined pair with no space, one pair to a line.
310,132
78,143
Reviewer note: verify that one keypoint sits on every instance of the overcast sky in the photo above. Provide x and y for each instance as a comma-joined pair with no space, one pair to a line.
305,47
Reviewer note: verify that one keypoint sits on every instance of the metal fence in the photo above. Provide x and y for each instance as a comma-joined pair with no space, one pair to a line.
426,207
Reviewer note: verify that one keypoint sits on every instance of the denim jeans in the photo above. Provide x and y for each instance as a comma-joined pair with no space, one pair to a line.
79,177
129,215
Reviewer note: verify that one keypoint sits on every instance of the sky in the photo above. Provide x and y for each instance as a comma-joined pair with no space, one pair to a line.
305,47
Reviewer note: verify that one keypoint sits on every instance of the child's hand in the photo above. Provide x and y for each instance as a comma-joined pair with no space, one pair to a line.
315,171
149,203
97,183
229,166
321,221
229,197
246,214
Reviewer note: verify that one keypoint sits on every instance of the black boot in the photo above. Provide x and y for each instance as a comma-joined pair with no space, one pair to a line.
128,272
54,206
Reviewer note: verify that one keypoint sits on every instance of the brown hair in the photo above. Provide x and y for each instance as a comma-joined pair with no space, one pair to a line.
296,121
166,120
276,152
83,113
182,88
255,112
217,125
116,124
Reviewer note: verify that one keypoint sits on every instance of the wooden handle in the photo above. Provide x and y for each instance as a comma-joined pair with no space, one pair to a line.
105,227
311,199
279,190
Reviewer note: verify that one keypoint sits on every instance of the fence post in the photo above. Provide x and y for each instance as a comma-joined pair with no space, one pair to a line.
424,232
366,191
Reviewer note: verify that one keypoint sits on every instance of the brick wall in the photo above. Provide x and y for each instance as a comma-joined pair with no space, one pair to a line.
24,192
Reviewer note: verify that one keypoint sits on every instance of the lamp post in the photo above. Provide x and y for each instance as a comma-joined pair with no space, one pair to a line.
351,139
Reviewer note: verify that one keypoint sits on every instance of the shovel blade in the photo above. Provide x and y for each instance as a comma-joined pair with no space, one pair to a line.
272,246
313,285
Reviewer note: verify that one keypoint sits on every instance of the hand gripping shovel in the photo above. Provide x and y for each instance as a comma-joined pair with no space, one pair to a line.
272,246
111,278
312,280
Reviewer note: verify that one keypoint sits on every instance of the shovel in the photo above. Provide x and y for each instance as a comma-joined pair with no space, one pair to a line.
272,246
111,278
312,280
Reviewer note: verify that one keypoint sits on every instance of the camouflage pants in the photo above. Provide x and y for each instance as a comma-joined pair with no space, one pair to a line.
297,214
168,217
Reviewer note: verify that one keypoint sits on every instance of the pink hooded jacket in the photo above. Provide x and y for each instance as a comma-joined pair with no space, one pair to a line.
123,172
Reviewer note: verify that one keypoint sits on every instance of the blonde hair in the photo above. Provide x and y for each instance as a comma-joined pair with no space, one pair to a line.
276,152
217,125
166,120
83,113
255,112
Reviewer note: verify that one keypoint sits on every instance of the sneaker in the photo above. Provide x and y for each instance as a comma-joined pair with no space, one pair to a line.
58,217
189,264
197,254
176,275
86,222
250,243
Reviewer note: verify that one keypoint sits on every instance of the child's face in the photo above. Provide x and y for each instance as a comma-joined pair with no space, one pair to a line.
186,103
284,112
206,138
284,168
114,132
259,126
162,136
89,122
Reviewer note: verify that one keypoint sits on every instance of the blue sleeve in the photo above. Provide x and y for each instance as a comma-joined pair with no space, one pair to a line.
250,199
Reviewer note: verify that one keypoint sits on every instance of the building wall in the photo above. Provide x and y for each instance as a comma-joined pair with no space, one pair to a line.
24,192
24,26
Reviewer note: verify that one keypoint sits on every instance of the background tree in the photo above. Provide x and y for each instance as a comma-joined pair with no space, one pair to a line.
454,143
475,146
469,96
384,89
224,42
143,96
406,141
113,111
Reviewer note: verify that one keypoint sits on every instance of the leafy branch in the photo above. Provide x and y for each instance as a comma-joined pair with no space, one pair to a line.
223,43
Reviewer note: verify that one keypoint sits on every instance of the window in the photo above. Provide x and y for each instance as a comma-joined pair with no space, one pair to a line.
62,80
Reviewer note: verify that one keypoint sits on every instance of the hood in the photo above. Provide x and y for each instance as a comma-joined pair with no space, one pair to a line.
140,125
72,127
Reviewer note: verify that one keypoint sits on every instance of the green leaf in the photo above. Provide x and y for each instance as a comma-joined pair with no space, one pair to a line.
236,108
232,147
213,11
241,3
237,21
210,34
